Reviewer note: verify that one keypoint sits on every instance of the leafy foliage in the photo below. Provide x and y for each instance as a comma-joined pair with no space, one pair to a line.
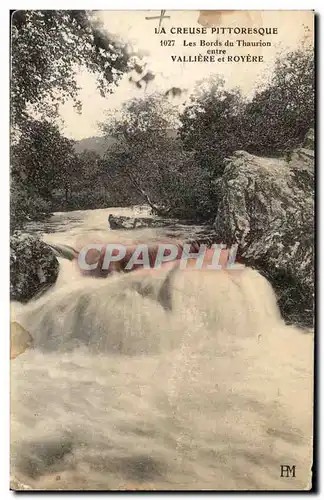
47,174
279,116
43,159
152,160
211,124
276,120
48,47
143,143
24,207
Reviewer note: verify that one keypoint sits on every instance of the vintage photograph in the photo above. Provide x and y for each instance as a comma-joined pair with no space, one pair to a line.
162,242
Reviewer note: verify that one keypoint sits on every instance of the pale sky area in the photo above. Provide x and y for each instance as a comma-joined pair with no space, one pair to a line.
131,26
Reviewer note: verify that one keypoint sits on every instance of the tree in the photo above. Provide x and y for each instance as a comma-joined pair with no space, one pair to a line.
24,207
211,124
43,160
92,179
142,131
47,48
279,116
151,160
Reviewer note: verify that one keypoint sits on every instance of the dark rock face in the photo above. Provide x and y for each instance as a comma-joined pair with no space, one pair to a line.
33,267
267,208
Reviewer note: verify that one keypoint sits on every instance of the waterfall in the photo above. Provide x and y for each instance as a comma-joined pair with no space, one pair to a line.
161,380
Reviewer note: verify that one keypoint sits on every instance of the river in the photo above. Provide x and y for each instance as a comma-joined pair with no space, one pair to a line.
69,227
124,389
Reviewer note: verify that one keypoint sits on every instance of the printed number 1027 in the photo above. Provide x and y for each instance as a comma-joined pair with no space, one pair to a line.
169,43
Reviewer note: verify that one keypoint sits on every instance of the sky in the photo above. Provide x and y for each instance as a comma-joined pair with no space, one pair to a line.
135,29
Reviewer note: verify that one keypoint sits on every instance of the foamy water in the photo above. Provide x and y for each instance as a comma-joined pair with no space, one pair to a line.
169,380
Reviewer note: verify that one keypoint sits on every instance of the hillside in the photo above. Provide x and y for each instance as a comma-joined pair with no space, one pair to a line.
97,143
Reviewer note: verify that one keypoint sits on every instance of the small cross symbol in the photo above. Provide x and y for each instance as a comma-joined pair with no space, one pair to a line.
161,17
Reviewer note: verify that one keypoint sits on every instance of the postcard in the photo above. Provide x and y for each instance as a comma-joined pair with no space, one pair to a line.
162,168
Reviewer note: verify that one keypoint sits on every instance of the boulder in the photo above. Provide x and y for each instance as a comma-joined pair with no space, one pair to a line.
267,208
123,222
33,267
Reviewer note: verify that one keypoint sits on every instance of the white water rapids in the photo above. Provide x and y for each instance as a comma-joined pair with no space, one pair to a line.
173,381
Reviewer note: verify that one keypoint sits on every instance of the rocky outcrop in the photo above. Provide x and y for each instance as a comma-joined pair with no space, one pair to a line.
182,230
33,267
267,208
123,222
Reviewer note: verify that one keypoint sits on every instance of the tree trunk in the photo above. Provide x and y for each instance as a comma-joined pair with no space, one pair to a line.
162,211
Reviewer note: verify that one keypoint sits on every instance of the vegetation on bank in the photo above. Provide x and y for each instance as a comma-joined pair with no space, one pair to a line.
173,162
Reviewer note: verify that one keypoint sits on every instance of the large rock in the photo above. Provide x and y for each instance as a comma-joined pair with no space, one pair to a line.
267,208
123,222
33,267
